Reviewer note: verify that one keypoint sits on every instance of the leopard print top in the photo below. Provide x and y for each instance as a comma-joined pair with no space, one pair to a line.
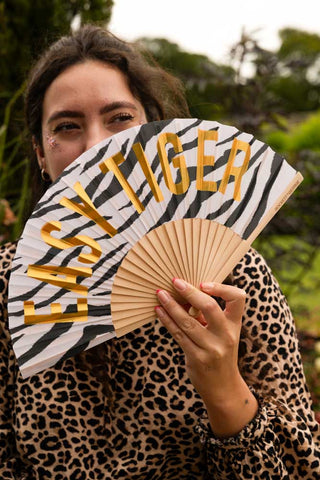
60,424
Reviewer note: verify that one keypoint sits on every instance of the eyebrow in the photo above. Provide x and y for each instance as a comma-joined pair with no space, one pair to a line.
78,114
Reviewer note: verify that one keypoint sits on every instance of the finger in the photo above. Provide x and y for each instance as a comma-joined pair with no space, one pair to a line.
199,300
187,324
213,313
234,298
187,345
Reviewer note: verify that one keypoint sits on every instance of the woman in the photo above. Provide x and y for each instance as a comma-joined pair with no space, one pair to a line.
223,396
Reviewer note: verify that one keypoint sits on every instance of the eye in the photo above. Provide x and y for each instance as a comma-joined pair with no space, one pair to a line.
122,117
65,127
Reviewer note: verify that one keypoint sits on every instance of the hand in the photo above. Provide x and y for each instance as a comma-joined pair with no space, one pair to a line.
210,344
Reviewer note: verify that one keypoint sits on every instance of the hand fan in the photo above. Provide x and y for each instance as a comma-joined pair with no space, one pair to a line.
175,198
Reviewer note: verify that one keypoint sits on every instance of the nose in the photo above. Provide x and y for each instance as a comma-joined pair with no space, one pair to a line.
95,134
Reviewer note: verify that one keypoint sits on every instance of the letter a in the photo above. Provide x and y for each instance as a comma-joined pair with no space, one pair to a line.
87,209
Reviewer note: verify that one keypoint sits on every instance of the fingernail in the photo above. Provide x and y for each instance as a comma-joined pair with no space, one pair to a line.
163,296
179,284
206,285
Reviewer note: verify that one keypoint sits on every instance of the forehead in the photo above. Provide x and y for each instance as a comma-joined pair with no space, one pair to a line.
90,80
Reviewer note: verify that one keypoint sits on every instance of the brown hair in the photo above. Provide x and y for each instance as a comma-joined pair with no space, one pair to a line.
160,93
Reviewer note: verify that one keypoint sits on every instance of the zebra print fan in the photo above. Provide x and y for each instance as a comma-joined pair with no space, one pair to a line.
176,198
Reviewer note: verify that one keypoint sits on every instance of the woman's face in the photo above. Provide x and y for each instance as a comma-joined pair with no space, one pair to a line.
83,105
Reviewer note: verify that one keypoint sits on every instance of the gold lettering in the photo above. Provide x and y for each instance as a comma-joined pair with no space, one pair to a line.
69,242
111,164
177,162
50,273
205,161
140,154
56,315
237,172
87,209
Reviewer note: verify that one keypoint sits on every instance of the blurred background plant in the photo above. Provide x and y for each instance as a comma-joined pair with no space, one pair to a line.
13,192
275,95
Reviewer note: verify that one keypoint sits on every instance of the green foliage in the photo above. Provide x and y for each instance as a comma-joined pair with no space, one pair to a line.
13,195
298,46
295,94
27,27
280,84
25,30
304,136
278,140
298,83
208,85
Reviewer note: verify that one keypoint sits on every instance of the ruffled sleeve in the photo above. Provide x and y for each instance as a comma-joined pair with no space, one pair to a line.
282,442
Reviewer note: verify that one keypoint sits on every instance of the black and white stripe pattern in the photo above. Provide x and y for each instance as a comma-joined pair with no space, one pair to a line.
41,345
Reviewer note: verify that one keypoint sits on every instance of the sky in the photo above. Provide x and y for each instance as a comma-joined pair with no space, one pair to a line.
211,27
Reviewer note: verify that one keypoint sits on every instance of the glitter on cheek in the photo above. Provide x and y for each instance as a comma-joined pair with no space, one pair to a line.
51,141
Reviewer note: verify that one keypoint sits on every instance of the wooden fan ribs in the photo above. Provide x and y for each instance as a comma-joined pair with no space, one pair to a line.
199,247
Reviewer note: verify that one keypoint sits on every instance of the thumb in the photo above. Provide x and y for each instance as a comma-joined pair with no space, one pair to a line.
234,298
